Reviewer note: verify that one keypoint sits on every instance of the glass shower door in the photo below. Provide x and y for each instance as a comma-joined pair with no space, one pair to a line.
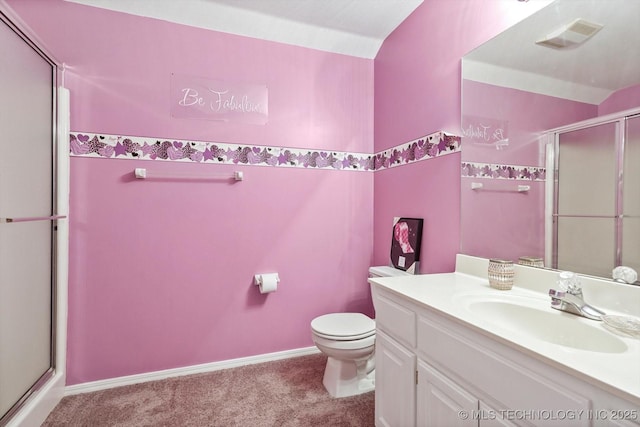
586,217
26,232
631,195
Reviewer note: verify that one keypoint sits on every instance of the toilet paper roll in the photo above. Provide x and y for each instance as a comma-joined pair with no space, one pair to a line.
267,282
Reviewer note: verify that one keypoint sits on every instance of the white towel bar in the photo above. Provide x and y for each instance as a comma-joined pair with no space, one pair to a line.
142,173
480,186
33,218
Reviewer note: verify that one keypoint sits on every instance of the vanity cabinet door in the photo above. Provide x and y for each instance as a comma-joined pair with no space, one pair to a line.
493,418
441,402
395,383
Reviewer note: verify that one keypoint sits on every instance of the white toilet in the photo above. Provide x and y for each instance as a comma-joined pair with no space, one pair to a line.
348,339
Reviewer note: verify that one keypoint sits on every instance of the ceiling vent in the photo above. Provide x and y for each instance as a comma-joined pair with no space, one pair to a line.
570,35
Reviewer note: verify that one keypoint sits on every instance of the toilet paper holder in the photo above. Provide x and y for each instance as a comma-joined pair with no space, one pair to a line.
268,282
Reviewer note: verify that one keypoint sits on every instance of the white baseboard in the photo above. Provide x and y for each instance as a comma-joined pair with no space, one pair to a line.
187,370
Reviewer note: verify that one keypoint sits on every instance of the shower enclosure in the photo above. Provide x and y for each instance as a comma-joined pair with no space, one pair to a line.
595,223
29,222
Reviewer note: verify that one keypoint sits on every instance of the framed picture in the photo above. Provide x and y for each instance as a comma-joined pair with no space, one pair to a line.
405,244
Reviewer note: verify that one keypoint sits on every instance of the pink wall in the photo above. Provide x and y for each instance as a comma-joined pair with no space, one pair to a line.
430,190
417,92
161,271
624,99
119,69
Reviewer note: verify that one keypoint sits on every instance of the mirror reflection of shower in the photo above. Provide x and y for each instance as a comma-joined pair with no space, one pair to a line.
595,223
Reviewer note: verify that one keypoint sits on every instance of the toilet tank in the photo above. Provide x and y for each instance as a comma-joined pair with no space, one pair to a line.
386,271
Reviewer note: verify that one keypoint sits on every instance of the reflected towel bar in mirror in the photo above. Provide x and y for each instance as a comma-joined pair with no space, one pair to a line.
520,189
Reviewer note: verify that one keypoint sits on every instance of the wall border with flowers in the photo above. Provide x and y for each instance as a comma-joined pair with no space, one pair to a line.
85,144
495,171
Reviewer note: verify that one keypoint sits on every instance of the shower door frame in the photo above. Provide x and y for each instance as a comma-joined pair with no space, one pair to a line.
551,139
44,395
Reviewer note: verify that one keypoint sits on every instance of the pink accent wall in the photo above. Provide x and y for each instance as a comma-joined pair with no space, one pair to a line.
430,190
417,91
161,271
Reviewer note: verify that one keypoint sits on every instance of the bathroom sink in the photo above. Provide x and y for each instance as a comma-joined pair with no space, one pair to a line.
546,324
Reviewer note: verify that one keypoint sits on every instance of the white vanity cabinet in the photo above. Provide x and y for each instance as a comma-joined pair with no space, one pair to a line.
441,402
395,364
434,370
395,383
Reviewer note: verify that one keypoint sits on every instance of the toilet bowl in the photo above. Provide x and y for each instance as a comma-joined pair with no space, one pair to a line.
348,339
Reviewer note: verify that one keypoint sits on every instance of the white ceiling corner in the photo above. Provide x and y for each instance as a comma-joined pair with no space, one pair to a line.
350,27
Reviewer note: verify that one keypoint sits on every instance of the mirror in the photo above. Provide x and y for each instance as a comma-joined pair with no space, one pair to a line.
517,96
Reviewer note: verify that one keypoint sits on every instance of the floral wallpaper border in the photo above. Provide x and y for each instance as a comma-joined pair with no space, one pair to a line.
487,170
423,148
85,144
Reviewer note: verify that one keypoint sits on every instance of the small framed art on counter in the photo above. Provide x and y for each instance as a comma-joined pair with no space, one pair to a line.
405,244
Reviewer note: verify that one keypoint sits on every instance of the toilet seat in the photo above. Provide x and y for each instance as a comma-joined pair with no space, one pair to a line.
344,345
343,326
344,338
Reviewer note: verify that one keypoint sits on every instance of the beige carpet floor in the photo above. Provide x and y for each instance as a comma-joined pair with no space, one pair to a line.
284,393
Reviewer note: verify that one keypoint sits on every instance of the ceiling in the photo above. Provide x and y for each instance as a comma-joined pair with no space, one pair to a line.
589,73
351,27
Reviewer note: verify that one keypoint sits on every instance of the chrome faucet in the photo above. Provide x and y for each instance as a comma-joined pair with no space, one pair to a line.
571,300
574,303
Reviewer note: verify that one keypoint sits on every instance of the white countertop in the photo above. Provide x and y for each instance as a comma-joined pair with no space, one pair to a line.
617,372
